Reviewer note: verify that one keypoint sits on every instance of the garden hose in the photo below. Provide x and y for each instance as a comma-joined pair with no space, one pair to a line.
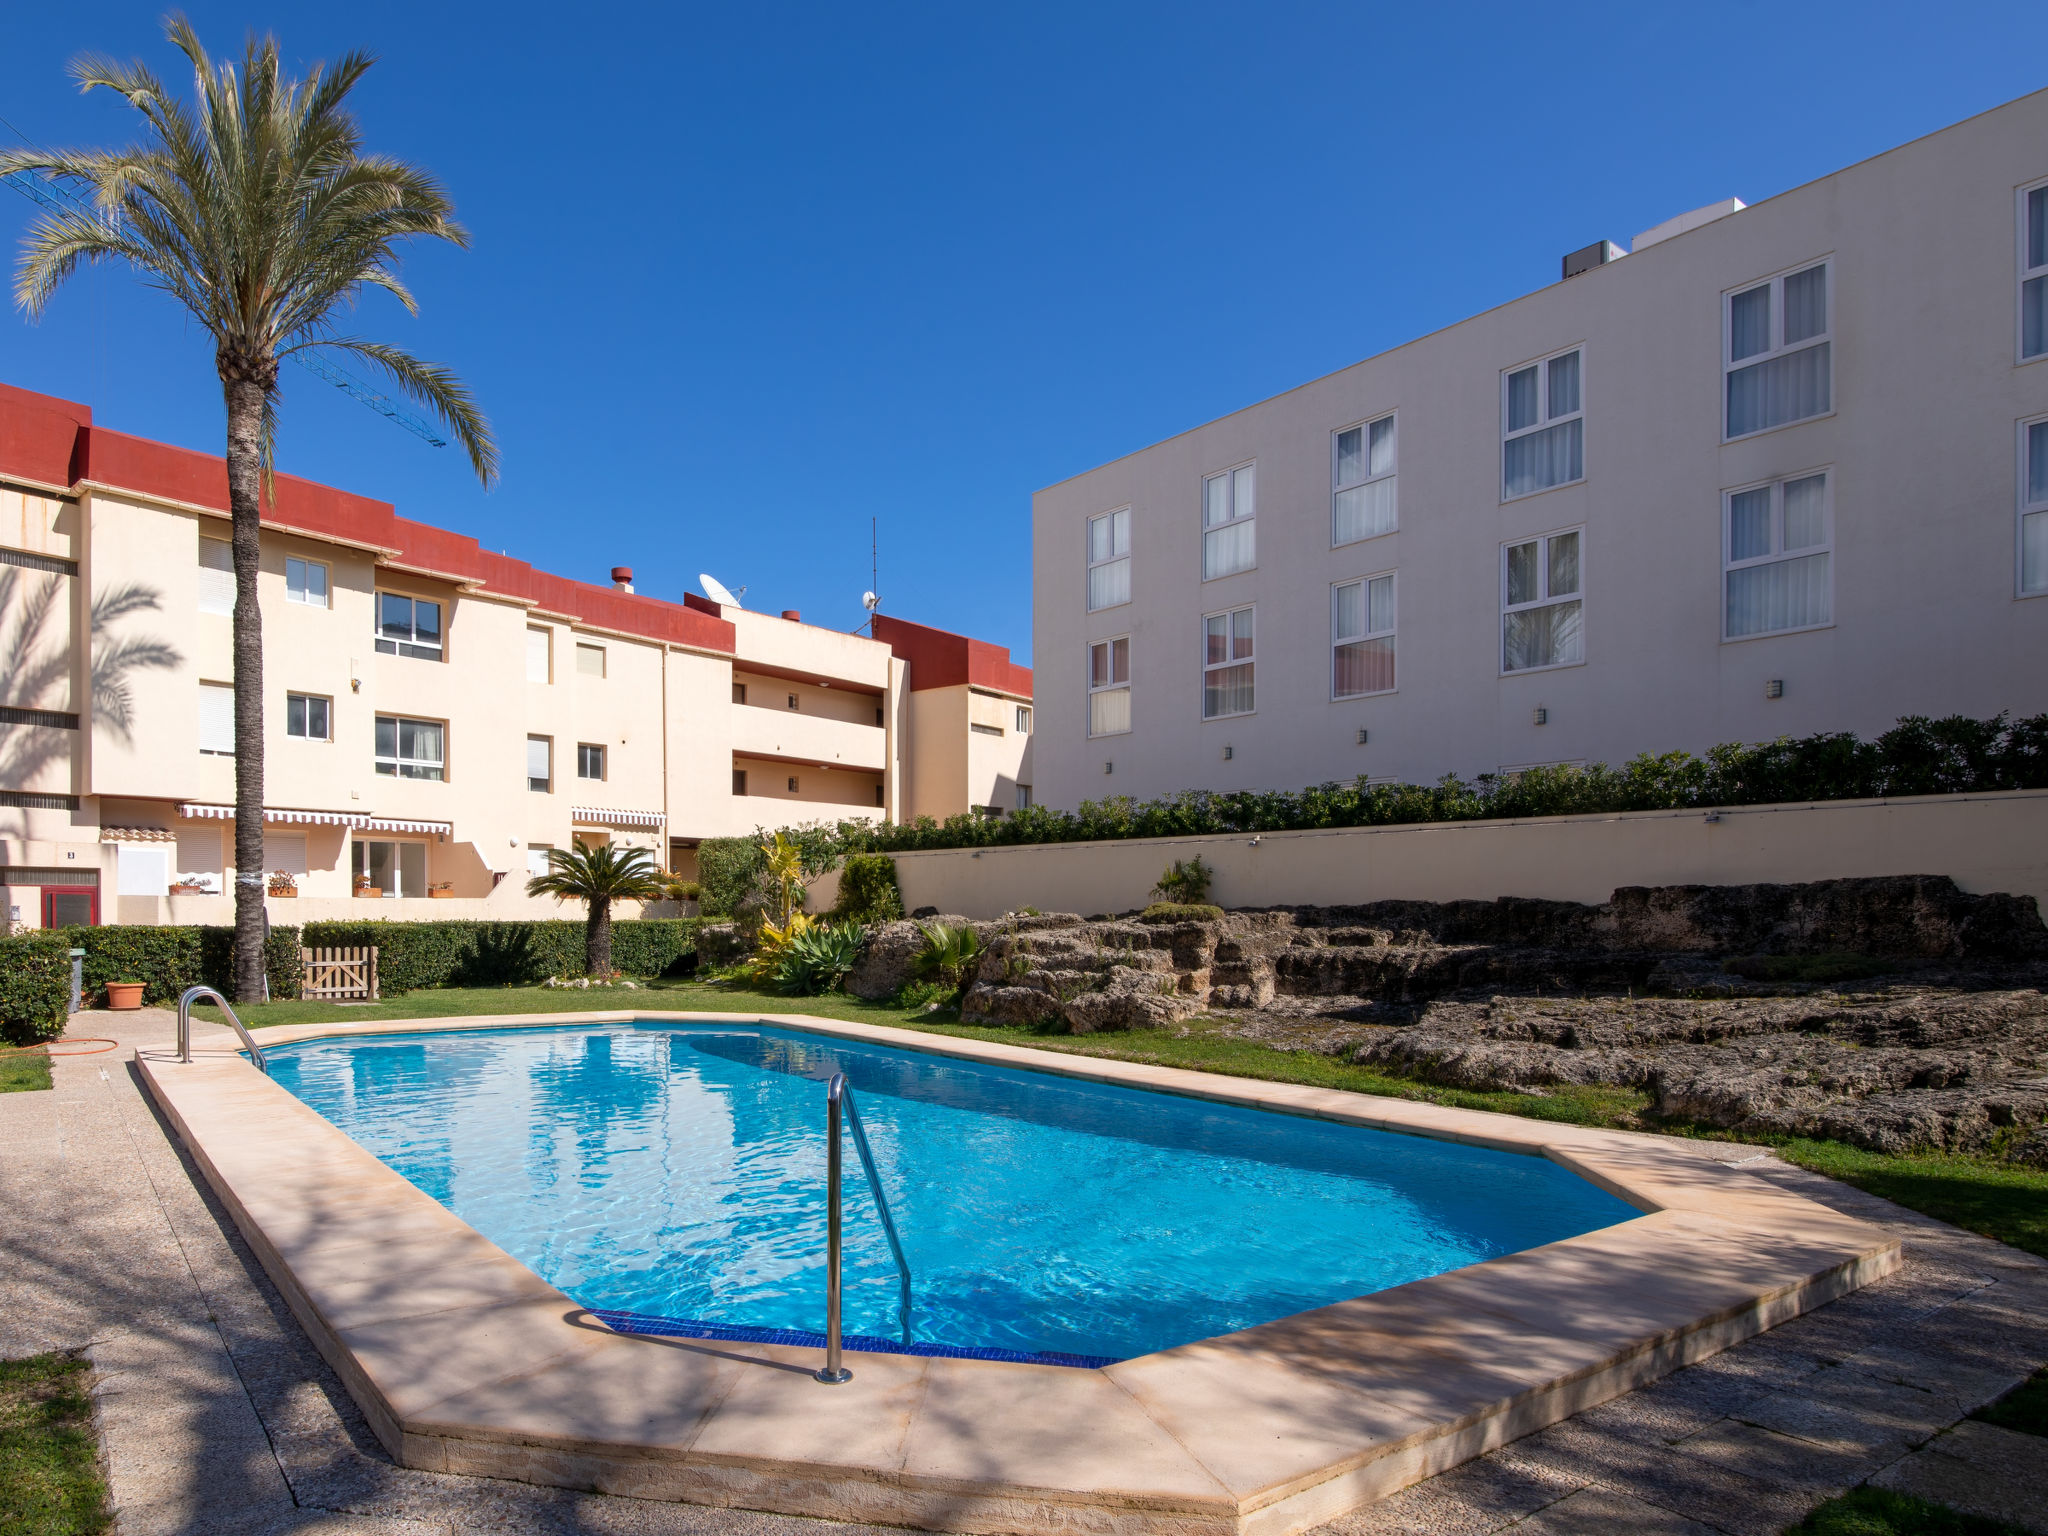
99,1047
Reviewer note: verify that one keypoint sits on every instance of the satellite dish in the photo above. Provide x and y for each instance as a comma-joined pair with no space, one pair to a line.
717,591
869,601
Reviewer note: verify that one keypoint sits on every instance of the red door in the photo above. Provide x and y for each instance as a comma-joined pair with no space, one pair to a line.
68,906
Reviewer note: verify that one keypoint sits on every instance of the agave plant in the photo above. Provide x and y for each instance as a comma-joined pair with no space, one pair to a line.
818,958
949,954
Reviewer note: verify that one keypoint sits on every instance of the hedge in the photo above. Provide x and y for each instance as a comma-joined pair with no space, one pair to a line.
168,960
501,954
35,986
1918,756
868,891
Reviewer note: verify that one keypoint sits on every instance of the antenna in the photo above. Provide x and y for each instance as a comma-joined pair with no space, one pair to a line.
719,593
869,599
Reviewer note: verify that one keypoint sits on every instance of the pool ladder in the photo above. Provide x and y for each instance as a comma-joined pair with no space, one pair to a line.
838,1100
192,995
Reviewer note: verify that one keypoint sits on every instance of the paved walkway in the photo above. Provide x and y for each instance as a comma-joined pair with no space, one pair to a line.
220,1419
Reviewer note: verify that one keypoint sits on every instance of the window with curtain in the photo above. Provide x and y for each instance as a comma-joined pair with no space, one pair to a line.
1109,687
408,626
540,764
1778,552
217,719
216,576
1780,361
1542,603
306,714
1543,426
1227,664
1109,559
2034,506
1229,504
1362,482
1362,637
409,749
305,581
2034,272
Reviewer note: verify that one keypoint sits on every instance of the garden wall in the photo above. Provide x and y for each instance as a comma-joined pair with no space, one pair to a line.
1985,843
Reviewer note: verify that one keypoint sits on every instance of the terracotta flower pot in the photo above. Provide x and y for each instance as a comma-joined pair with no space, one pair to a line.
441,895
124,995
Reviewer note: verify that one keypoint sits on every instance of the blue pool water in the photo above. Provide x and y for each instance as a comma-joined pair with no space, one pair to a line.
678,1172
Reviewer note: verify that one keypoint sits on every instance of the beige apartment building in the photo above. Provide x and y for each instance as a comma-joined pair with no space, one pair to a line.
1775,470
439,716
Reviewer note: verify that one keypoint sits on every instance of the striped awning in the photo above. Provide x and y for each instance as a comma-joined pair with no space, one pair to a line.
602,816
359,820
109,834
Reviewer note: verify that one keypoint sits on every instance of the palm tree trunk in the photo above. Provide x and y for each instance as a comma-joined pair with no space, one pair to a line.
245,398
597,937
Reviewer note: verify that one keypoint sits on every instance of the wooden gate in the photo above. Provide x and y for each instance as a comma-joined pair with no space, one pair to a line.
338,973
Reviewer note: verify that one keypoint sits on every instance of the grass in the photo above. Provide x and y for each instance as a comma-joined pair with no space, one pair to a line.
2000,1200
50,1481
1874,1512
24,1071
2024,1409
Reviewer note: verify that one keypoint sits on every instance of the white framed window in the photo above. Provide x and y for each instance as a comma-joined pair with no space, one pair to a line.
1777,552
1543,425
1023,797
1229,505
1779,350
540,654
2033,550
2034,271
1227,664
408,626
589,660
217,719
305,581
589,760
308,715
540,764
284,852
1362,637
390,868
410,749
1109,560
1023,720
1362,481
1542,592
537,857
1109,687
216,576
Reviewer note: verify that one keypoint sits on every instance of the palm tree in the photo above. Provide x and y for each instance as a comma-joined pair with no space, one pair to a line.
256,209
599,875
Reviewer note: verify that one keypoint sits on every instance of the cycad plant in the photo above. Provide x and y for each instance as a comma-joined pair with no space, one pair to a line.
598,875
256,208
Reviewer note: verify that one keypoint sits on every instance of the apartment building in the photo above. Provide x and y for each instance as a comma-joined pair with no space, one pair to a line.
1773,470
970,722
438,716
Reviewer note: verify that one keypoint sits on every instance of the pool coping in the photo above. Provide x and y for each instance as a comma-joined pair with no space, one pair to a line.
465,1361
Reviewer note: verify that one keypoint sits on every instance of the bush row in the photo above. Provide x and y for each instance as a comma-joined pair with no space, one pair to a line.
35,969
499,954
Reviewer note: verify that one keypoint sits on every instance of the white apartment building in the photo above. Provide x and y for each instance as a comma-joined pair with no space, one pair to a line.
439,716
1775,470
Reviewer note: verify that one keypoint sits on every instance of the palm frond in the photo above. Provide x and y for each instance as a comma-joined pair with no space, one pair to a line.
435,387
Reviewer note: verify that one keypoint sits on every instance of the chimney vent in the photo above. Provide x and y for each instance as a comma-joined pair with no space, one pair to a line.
792,615
622,577
1598,254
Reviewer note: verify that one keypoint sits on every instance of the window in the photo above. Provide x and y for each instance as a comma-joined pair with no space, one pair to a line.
739,781
305,581
1780,358
1109,559
792,701
540,655
409,749
216,576
1023,797
1542,611
881,718
1227,664
540,764
1776,545
389,868
537,858
408,626
284,852
1023,721
590,660
1362,637
881,798
792,784
199,858
2034,506
1362,482
2034,272
217,719
306,715
1228,504
739,695
589,761
977,728
1109,687
1543,438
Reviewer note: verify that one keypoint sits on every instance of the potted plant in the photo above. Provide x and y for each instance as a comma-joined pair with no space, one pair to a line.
283,884
124,995
191,888
442,888
364,888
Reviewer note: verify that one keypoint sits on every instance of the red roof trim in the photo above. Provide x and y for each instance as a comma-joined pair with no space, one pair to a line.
939,658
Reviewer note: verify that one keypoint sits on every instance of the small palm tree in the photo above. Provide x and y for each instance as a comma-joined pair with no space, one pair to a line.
599,875
258,211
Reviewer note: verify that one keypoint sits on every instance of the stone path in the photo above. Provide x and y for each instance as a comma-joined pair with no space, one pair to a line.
220,1420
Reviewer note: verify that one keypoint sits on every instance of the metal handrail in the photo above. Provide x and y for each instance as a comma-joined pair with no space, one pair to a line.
837,1093
192,995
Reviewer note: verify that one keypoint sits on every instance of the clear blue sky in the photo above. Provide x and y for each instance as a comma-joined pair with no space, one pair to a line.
745,276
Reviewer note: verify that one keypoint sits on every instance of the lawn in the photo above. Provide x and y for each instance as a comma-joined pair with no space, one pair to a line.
1874,1512
1996,1199
22,1070
49,1470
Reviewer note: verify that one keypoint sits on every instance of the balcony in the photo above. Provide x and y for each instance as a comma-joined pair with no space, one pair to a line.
792,736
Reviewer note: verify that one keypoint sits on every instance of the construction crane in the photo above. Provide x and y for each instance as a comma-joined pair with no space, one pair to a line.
56,199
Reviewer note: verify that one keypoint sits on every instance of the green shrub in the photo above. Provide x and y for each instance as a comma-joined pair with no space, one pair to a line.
817,959
1815,968
1185,881
729,869
948,956
868,891
469,953
35,986
1180,912
168,960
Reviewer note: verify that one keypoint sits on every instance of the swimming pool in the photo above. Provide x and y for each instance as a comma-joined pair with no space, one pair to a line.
676,1171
